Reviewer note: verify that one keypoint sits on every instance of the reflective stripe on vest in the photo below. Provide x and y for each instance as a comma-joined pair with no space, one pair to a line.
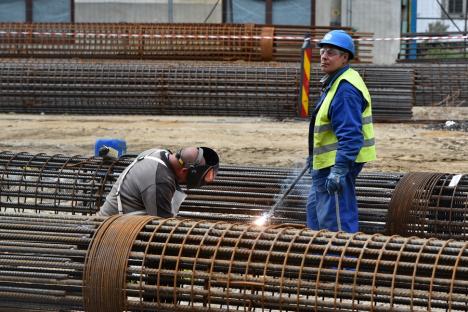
325,140
124,174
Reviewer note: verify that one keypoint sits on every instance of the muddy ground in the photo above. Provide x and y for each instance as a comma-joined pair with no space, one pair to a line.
401,147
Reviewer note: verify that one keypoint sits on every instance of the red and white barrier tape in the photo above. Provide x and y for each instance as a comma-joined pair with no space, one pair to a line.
180,36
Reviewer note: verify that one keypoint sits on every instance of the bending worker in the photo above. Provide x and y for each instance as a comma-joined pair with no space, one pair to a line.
150,184
341,138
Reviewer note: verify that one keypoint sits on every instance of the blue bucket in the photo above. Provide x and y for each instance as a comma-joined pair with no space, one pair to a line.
117,147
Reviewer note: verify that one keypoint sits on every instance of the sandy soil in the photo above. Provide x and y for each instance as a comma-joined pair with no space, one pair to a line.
402,147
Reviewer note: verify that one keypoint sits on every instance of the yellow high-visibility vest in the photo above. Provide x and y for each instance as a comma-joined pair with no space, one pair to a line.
325,140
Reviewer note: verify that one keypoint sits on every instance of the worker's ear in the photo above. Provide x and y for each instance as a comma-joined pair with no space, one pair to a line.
181,174
184,170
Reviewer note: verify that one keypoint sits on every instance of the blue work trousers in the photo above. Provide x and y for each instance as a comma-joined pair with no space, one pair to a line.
321,206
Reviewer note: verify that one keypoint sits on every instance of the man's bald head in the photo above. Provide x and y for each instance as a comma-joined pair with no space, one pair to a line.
192,156
195,166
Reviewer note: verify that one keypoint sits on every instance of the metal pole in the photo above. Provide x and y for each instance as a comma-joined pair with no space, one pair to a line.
170,11
291,186
466,15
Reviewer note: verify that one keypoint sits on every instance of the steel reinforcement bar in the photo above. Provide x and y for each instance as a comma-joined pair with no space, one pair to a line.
243,193
439,84
428,203
433,84
188,88
142,263
138,263
387,202
173,41
56,183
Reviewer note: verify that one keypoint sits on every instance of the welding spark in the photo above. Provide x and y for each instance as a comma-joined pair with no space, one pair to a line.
262,220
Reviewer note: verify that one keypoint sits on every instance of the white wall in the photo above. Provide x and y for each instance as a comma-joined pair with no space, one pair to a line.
146,11
383,18
380,17
323,12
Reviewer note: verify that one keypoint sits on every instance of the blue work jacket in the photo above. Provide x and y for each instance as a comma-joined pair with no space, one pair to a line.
345,114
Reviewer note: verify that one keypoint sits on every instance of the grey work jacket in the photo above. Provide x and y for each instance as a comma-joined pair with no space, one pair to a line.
148,186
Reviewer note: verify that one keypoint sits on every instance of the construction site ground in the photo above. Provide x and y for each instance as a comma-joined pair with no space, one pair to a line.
441,146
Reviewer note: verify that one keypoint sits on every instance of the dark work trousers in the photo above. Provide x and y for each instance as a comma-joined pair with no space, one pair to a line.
321,206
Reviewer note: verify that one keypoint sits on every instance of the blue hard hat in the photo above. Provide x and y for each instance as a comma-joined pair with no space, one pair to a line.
339,39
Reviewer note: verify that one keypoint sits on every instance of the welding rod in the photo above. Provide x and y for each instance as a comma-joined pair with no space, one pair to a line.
289,189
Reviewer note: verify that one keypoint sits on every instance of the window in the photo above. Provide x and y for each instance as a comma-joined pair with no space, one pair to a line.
455,8
36,10
286,12
13,11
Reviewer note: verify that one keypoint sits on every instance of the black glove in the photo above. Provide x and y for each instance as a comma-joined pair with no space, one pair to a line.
336,179
104,153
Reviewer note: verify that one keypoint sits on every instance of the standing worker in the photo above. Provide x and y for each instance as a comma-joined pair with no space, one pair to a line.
341,138
150,184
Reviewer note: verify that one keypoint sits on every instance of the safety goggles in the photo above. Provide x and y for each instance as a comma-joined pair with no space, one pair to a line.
330,52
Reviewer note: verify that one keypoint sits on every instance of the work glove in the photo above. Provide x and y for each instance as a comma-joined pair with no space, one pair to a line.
106,155
335,181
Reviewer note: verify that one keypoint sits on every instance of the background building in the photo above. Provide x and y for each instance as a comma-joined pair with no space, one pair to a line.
148,11
441,15
52,11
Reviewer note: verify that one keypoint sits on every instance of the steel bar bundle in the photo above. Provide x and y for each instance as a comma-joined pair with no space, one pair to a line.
69,86
441,84
391,89
432,84
142,263
55,183
172,41
243,193
428,203
188,88
387,202
78,185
